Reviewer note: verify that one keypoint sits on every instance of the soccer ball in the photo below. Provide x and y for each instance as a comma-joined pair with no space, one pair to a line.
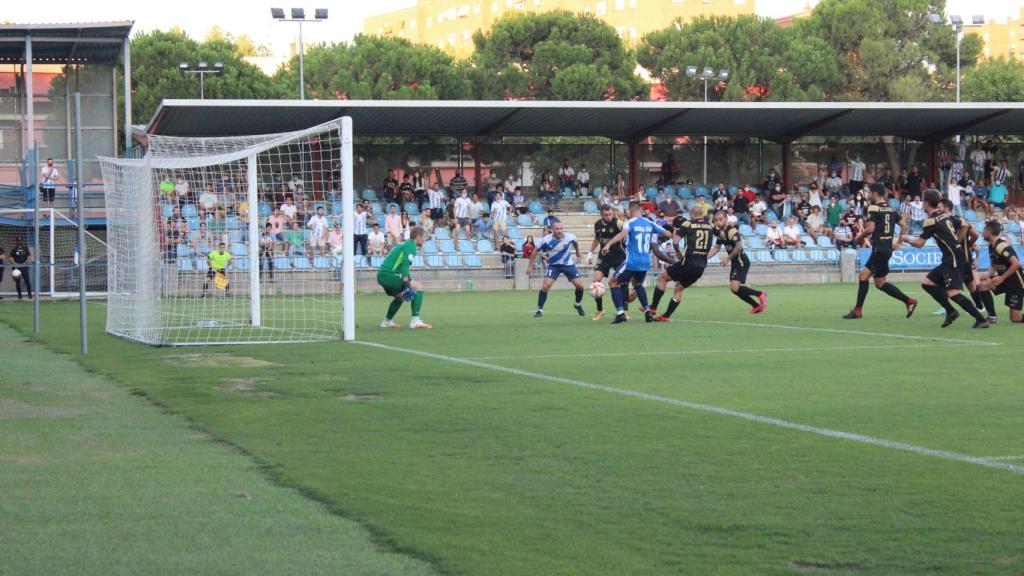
597,289
15,273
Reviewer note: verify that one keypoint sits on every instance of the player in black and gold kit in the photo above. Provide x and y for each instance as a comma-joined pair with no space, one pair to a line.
1005,275
699,235
880,225
604,230
968,237
728,237
945,280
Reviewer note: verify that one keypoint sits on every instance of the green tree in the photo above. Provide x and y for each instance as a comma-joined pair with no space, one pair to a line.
765,62
155,73
553,56
376,68
998,80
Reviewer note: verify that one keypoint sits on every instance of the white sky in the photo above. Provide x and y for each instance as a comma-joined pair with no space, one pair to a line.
346,18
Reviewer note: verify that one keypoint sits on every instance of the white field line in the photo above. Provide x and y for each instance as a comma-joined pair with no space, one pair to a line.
1005,457
720,351
827,432
840,331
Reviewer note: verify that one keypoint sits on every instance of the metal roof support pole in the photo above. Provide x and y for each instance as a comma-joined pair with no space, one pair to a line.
932,145
127,96
787,164
477,145
634,164
33,175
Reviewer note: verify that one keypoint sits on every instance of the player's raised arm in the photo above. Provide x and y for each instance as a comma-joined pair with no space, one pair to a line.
660,254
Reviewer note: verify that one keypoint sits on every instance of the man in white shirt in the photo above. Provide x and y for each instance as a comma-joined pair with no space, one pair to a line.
48,185
318,231
208,201
791,233
857,169
617,206
583,181
566,177
182,190
436,199
462,215
475,210
773,238
499,215
359,236
376,241
816,223
606,198
955,194
758,208
978,158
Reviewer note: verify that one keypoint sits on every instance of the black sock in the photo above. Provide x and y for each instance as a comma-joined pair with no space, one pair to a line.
747,298
579,296
862,293
989,302
542,297
939,294
965,303
672,305
748,291
976,298
895,292
600,303
658,293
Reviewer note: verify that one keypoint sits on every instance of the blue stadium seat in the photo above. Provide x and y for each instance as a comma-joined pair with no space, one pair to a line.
282,263
166,210
806,240
376,261
817,255
380,221
231,222
337,208
466,246
430,247
264,211
337,260
782,257
761,229
414,218
971,215
894,204
746,230
322,262
524,220
189,211
824,242
417,261
833,255
411,208
361,261
590,207
435,261
447,246
473,261
234,236
193,223
239,250
756,242
598,190
183,251
454,261
568,193
202,265
702,191
800,256
651,192
669,190
240,264
484,246
537,208
732,191
519,242
1013,227
185,265
370,195
684,192
515,233
442,233
770,214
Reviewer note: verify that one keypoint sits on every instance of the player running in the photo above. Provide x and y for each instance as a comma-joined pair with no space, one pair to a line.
699,235
604,230
728,237
640,236
559,246
393,277
968,238
945,281
217,263
880,225
1005,276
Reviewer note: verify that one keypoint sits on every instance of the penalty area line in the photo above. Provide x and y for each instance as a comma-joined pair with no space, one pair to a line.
719,351
767,420
839,331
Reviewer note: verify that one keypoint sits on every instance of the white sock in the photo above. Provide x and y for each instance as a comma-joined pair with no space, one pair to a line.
415,320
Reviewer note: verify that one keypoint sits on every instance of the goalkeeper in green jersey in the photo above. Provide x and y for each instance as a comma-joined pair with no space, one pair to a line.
393,276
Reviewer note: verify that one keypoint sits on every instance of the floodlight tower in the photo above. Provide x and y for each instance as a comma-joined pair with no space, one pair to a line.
708,73
299,15
202,69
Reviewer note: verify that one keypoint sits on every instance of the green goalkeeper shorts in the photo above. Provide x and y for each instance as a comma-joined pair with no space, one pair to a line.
391,283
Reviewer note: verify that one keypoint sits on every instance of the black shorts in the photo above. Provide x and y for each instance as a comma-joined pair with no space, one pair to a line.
947,276
1014,297
878,264
210,272
608,266
739,268
48,193
436,213
685,275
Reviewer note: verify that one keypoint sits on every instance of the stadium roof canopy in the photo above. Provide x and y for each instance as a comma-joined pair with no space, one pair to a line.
89,43
625,121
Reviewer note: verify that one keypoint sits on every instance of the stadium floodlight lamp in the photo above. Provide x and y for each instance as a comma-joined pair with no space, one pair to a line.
203,65
723,74
956,20
691,71
708,72
183,66
277,13
320,14
935,19
977,20
298,13
218,66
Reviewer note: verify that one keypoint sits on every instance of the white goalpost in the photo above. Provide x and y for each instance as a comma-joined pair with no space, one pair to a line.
238,240
59,254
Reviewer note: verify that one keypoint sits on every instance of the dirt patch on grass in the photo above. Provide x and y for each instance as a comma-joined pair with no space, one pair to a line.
245,387
823,567
11,409
216,360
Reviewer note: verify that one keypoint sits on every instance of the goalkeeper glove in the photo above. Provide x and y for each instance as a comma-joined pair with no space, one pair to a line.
408,294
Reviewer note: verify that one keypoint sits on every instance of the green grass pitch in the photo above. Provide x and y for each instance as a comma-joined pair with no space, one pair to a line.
722,443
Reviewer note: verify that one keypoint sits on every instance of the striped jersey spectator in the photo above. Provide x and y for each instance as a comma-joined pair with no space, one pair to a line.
436,199
499,214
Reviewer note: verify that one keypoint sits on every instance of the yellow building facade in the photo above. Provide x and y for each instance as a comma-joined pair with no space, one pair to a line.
1001,37
450,24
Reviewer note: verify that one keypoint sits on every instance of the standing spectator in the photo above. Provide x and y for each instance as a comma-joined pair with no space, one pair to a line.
183,191
48,185
476,209
857,169
759,209
791,233
956,169
999,192
669,206
289,209
405,190
741,208
463,207
295,240
519,201
208,201
954,192
219,226
777,199
277,222
167,193
336,241
978,158
834,165
377,241
318,232
803,208
619,185
669,169
507,248
436,200
419,187
814,195
296,186
267,252
889,181
917,213
914,181
834,184
393,227
834,212
204,241
458,184
389,189
499,213
359,236
773,238
771,179
407,226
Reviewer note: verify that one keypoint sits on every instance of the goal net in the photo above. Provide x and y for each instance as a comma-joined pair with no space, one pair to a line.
58,256
228,240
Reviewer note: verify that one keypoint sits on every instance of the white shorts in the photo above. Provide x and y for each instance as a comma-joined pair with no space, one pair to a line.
500,226
317,242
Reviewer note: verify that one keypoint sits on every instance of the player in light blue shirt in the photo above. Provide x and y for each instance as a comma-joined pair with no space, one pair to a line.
640,236
559,247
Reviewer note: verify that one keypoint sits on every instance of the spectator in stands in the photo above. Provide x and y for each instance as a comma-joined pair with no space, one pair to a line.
419,187
771,179
507,248
208,201
219,226
730,216
511,182
175,218
167,193
842,233
905,208
436,200
519,201
318,232
476,209
777,199
791,233
703,206
773,238
295,239
978,158
427,223
172,237
267,252
669,206
859,203
605,198
278,183
492,181
619,186
759,210
183,191
954,191
669,169
978,197
336,241
462,216
389,189
548,190
1020,172
741,209
583,181
814,195
833,212
914,181
500,210
528,248
857,171
814,224
917,213
1014,214
660,196
377,242
720,197
359,232
393,226
458,184
889,180
405,190
277,223
289,210
204,241
998,192
483,226
802,208
617,206
834,184
549,222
